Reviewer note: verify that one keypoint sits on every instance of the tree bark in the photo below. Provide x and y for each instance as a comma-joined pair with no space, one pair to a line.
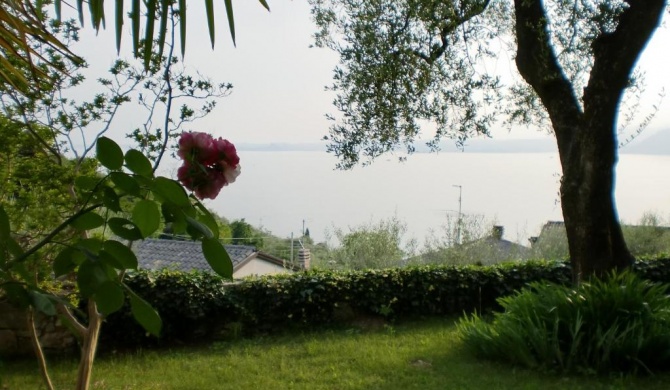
37,347
90,344
595,238
586,137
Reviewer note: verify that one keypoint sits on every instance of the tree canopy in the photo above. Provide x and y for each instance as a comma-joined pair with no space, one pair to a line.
414,64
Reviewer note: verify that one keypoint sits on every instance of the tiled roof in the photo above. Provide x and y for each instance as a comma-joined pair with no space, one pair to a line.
184,255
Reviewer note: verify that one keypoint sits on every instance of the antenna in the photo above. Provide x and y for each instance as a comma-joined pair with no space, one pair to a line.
460,204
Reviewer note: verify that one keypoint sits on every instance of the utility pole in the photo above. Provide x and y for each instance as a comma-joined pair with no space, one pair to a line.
460,204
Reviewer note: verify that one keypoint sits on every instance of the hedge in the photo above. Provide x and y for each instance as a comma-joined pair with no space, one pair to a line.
203,307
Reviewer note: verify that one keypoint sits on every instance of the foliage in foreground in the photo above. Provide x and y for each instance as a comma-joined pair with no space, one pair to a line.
619,324
200,307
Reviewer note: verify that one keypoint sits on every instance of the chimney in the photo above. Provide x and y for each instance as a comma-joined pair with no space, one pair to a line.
497,232
304,258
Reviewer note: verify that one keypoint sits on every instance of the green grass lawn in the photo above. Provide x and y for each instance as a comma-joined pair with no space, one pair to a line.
420,355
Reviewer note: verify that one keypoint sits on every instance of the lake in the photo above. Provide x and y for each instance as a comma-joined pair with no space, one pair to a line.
278,190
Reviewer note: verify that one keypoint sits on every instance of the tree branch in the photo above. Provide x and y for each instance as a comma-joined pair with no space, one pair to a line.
538,65
449,27
34,337
616,53
72,320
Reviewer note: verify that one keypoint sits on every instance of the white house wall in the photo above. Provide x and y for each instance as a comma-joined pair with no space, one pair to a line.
259,267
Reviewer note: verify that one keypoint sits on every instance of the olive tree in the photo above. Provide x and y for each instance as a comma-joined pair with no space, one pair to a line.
373,245
405,64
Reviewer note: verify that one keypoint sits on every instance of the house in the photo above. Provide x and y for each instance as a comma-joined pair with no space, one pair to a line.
494,248
183,255
490,249
648,238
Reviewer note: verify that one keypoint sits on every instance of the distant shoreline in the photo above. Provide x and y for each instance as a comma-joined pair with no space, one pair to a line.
658,144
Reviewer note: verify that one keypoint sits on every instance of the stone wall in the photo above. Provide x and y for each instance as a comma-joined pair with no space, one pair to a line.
15,335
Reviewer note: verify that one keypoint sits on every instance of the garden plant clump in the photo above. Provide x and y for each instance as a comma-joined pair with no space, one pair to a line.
617,324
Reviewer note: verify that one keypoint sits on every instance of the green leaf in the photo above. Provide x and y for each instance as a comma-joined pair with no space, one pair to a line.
265,4
12,246
175,217
125,183
217,257
4,225
42,303
125,229
80,8
17,294
231,19
67,260
58,6
91,275
138,163
147,217
119,24
182,25
109,297
124,255
135,16
86,183
171,191
109,153
201,229
207,218
88,221
97,13
149,32
162,29
107,259
110,199
209,7
145,314
7,243
26,276
92,245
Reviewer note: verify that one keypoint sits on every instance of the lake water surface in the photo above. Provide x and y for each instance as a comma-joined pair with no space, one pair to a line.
278,190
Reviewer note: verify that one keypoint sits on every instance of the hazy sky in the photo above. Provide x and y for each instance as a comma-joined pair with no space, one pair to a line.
279,80
279,97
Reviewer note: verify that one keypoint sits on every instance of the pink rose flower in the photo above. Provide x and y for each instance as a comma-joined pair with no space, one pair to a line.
230,173
209,164
226,151
211,187
197,147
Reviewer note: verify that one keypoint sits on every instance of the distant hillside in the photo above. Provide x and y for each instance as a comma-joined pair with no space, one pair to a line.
492,145
657,143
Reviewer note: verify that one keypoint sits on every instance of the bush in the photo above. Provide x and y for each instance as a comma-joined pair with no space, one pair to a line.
204,307
619,324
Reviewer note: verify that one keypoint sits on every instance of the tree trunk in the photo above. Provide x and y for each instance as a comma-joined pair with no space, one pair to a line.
586,135
88,349
594,234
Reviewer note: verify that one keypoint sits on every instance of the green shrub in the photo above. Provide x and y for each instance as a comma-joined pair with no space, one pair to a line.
203,307
620,324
